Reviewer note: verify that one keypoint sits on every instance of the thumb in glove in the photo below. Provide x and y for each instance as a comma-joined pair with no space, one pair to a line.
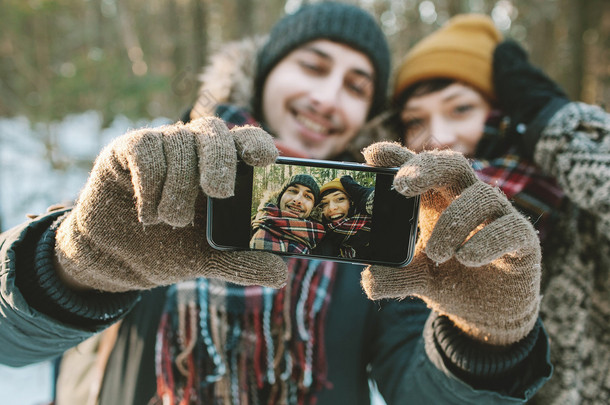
140,221
477,260
525,93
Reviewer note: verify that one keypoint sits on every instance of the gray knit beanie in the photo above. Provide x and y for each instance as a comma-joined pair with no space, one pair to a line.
338,22
305,180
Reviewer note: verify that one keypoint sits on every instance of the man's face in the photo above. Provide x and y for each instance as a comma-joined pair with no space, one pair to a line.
317,98
335,206
451,118
298,199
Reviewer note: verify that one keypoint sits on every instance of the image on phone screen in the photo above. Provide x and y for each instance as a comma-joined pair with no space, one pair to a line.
347,212
312,210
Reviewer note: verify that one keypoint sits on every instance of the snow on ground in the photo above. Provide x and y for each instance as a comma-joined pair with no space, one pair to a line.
44,164
40,165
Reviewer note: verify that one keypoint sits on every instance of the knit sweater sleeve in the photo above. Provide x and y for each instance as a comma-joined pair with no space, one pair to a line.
574,147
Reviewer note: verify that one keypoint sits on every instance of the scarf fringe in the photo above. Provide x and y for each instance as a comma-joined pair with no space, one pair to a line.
219,343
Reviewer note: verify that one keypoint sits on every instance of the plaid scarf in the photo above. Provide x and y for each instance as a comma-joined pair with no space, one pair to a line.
536,195
351,234
283,231
221,343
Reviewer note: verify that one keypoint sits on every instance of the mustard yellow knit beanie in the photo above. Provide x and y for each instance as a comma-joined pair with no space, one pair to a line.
462,50
334,184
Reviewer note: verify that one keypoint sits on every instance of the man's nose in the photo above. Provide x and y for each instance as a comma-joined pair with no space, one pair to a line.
298,199
325,97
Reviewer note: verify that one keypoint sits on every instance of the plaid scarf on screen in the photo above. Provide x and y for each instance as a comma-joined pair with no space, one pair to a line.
283,231
352,234
220,343
536,195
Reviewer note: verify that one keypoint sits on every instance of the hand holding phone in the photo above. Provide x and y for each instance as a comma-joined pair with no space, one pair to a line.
318,209
477,260
140,220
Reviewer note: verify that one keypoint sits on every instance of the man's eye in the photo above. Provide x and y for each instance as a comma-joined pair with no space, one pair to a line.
356,88
341,199
309,197
312,67
360,88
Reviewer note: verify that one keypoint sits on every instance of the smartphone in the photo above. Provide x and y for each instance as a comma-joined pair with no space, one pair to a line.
329,210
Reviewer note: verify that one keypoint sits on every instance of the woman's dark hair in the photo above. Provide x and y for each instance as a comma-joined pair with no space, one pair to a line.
421,89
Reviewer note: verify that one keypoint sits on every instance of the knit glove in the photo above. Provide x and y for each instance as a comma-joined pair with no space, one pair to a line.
525,93
359,194
140,221
477,260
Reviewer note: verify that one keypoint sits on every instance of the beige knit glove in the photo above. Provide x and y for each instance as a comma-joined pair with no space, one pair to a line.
140,221
477,260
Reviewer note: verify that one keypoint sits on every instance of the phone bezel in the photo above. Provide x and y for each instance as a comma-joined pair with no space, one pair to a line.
412,216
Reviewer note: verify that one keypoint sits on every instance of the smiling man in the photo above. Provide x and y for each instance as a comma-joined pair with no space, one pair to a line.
319,78
282,221
317,98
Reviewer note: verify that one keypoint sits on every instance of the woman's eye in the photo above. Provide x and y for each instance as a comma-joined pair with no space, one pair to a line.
464,108
413,123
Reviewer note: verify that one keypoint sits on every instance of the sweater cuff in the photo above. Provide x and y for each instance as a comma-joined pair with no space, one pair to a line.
481,365
46,293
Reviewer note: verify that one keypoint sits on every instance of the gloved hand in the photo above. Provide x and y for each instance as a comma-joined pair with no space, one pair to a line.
477,260
525,93
140,221
358,193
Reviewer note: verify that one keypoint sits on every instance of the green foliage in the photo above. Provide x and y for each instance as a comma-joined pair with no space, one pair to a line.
66,56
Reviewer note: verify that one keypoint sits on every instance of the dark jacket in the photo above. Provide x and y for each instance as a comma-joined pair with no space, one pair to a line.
390,336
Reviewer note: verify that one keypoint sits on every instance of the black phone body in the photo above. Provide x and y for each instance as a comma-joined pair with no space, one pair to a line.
385,234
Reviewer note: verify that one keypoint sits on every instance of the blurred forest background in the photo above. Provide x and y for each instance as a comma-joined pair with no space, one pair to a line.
140,58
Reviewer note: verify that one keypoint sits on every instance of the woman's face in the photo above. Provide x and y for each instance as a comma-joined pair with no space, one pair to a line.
451,118
335,206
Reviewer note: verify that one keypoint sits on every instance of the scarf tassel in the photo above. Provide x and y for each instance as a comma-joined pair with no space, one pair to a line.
266,345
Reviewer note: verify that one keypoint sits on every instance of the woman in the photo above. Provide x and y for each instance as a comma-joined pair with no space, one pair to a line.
346,208
461,89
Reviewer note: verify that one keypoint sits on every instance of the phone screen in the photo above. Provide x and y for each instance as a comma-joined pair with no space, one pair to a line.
338,211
